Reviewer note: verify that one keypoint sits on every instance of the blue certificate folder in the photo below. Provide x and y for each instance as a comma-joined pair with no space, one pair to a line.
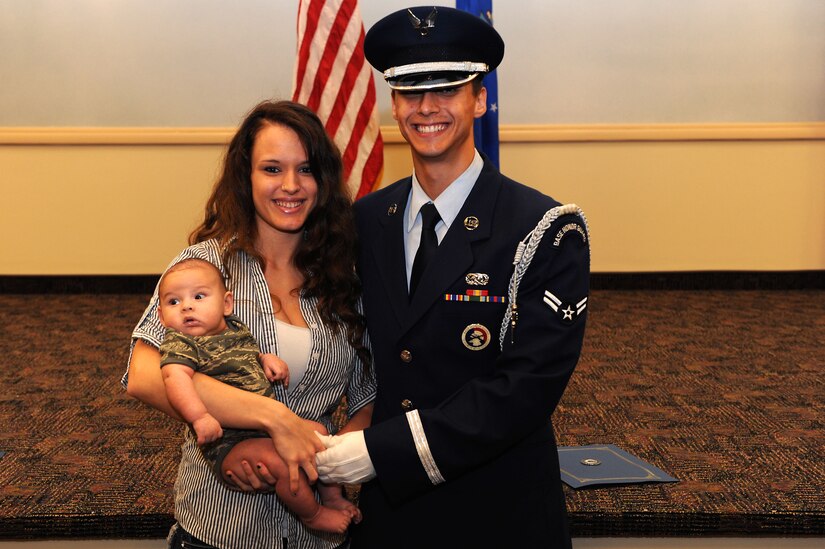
597,464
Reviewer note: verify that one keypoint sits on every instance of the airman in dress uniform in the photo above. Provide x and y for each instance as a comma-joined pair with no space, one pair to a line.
475,293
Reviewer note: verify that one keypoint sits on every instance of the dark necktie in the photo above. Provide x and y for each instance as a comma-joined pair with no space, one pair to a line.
428,245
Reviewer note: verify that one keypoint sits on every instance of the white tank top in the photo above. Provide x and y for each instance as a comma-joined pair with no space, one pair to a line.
294,346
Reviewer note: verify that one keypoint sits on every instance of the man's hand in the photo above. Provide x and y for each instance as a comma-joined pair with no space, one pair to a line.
346,459
207,428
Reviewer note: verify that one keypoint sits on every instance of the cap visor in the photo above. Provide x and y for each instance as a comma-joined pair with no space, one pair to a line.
430,81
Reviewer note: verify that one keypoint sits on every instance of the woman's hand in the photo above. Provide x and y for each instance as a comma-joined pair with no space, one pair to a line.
253,465
296,443
238,467
293,438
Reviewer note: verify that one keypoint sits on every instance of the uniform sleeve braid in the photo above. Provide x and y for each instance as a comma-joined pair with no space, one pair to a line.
525,251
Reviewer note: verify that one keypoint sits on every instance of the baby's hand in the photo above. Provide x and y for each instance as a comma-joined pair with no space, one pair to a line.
207,428
274,368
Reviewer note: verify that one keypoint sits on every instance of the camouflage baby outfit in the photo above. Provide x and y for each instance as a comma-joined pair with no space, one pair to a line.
230,357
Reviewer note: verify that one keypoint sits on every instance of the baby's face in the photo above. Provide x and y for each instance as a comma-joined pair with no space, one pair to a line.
193,301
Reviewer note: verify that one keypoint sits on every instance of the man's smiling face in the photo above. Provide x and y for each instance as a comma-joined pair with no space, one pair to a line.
438,124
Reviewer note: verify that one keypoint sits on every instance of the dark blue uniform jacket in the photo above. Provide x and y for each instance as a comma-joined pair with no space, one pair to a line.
485,412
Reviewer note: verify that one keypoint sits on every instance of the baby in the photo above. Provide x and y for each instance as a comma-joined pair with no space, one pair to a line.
203,336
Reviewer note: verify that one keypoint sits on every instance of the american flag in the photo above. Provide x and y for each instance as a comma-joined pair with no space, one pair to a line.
333,79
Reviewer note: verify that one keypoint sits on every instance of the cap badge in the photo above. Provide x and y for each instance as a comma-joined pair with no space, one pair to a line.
471,223
392,209
475,337
423,27
477,279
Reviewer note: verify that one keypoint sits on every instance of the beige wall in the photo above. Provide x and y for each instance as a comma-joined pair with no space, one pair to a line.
688,206
205,62
122,201
95,209
113,199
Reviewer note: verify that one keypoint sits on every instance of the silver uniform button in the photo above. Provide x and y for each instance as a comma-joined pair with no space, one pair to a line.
406,356
406,405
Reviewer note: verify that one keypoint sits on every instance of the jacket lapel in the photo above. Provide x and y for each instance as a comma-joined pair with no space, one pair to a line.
389,249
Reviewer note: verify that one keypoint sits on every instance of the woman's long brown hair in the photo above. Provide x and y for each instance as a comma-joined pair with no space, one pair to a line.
326,254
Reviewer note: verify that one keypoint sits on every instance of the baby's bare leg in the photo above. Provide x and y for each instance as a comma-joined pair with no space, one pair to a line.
261,451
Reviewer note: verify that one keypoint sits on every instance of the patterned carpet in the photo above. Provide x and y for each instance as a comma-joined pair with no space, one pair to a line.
722,389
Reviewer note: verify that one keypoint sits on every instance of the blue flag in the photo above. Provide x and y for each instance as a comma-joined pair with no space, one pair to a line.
486,127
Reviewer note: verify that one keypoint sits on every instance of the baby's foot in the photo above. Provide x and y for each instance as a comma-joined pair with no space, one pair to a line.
329,520
344,504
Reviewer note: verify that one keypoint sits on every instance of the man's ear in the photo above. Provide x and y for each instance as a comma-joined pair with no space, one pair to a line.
481,103
228,303
392,103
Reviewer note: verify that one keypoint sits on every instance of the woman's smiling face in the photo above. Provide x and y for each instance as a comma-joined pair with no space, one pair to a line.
284,189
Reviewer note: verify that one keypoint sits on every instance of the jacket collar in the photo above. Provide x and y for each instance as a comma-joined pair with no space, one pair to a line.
454,255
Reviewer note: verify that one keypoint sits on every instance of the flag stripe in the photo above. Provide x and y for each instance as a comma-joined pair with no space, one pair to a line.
332,59
314,38
372,169
308,14
333,79
351,73
353,119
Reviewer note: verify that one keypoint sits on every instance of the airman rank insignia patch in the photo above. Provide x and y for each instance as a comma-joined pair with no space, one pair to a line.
567,312
475,337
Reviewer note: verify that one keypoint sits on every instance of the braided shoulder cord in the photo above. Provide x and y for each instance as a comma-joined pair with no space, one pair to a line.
525,251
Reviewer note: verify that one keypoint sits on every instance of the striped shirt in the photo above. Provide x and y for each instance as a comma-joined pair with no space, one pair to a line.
203,506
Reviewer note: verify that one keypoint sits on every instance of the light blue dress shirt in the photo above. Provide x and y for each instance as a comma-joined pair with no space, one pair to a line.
448,204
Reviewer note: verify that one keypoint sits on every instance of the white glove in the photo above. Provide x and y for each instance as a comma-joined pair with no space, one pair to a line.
346,459
327,440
